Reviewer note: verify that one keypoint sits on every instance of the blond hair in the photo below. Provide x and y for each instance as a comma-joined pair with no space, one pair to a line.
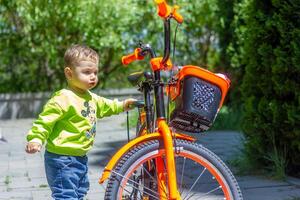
77,53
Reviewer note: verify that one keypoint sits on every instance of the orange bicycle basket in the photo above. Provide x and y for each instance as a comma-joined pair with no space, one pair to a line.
198,95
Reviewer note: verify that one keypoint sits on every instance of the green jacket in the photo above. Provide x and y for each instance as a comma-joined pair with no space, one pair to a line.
68,121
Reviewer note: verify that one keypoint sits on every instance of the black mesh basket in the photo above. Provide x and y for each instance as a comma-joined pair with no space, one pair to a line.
196,106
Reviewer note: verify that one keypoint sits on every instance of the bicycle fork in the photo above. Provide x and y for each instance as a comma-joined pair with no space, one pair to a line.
164,130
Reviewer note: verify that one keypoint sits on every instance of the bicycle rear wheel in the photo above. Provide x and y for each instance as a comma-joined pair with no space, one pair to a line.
200,174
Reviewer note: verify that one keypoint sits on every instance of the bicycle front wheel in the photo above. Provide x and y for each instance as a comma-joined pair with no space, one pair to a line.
200,174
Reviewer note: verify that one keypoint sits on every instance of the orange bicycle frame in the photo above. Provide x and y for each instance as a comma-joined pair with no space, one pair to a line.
164,133
170,162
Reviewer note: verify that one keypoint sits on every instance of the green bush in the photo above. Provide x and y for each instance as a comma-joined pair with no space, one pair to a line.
34,35
228,119
270,42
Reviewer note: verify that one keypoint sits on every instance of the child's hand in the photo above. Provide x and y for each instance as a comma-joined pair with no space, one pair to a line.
33,147
128,104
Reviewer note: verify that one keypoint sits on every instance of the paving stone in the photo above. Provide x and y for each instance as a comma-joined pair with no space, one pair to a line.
272,193
3,171
17,172
17,164
16,194
293,181
3,187
250,182
20,182
44,194
94,196
36,172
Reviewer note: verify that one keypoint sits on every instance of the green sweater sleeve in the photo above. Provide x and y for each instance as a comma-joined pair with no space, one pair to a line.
42,127
107,107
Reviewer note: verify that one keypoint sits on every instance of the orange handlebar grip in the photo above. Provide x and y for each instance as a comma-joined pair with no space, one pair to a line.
132,57
163,8
178,17
128,59
164,11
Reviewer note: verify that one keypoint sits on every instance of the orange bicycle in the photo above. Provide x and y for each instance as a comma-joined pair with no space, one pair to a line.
162,162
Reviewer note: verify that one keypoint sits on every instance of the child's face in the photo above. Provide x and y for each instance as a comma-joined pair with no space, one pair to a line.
83,76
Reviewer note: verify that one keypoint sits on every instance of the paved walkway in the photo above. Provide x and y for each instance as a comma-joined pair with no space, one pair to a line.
22,175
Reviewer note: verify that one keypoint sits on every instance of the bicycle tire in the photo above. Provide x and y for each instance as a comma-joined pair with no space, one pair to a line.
215,170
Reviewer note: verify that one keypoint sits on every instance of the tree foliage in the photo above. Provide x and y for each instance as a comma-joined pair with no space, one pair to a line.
35,34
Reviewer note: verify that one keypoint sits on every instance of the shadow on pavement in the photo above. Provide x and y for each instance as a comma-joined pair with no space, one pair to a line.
102,154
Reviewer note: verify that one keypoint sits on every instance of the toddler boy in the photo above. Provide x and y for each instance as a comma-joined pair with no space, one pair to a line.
68,125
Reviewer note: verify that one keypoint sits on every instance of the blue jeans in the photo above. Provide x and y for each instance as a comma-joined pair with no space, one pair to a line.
67,176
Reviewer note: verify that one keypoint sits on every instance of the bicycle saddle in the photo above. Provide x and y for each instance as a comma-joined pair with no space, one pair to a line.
137,77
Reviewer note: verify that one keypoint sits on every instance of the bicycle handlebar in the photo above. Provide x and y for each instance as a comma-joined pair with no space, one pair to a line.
132,57
138,104
165,11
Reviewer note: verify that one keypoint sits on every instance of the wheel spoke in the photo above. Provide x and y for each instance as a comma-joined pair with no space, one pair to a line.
133,182
129,192
181,179
203,195
155,181
148,173
134,187
195,182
